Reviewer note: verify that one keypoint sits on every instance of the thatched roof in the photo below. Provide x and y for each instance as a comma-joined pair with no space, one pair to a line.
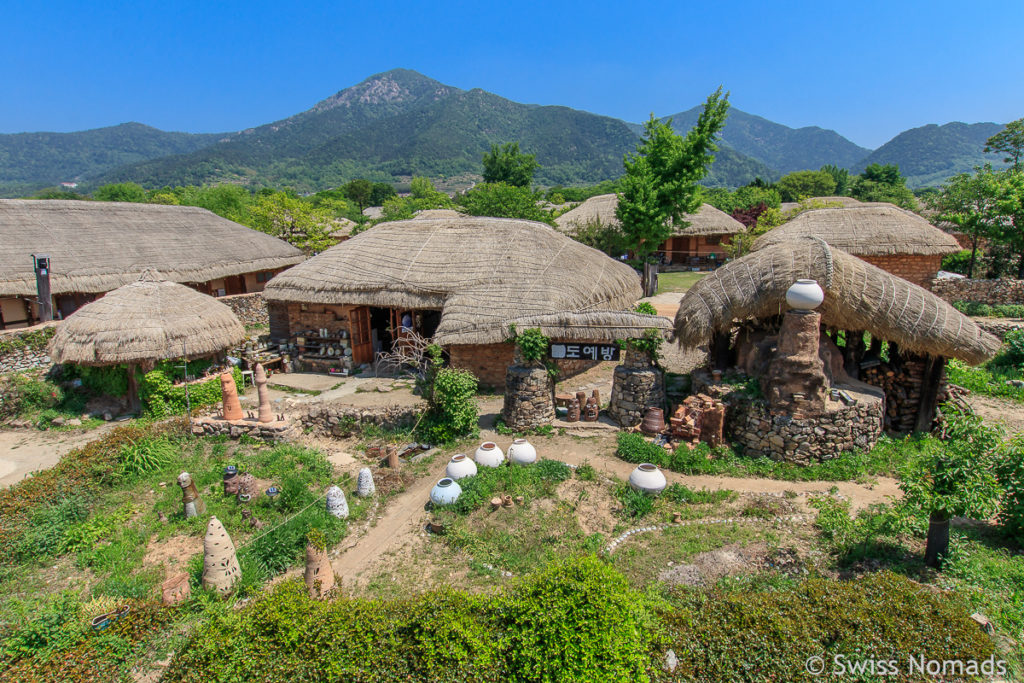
845,202
865,230
707,221
147,320
426,214
482,273
342,227
858,296
595,325
373,211
99,246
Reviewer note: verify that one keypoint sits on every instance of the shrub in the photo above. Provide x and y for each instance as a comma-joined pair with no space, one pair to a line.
452,410
146,455
532,344
1010,471
163,398
636,449
678,493
1012,353
635,504
960,261
22,393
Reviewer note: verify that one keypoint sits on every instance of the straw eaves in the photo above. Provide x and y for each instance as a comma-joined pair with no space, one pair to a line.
99,246
601,209
858,296
481,273
146,320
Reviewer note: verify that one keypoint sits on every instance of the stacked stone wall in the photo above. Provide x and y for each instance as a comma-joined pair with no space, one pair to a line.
251,309
340,419
917,268
25,348
637,384
529,397
992,292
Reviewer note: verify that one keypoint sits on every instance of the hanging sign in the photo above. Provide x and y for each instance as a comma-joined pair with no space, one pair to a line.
559,351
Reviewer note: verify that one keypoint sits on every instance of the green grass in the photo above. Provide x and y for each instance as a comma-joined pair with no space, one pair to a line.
986,379
677,281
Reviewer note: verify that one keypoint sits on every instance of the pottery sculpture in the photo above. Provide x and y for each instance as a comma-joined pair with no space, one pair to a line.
337,505
459,467
230,407
220,564
192,504
654,421
522,452
805,295
266,413
445,492
489,455
230,480
648,478
364,484
573,414
319,573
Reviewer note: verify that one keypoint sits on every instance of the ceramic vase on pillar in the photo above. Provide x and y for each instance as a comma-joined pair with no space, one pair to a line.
319,574
231,408
220,564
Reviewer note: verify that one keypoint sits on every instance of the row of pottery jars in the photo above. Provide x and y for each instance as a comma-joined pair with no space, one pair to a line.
521,452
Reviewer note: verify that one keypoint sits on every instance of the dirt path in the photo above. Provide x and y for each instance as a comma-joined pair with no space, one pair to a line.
23,451
993,410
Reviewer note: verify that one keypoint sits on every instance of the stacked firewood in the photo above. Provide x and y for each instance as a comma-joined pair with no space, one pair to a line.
698,418
903,387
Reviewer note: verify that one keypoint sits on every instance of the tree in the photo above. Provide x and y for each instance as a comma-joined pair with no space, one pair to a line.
660,184
506,164
381,192
954,479
1009,141
969,202
425,196
880,183
294,220
841,176
1010,209
120,192
799,185
502,200
359,191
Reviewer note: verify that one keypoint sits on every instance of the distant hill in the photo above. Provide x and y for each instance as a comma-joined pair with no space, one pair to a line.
777,146
930,154
30,161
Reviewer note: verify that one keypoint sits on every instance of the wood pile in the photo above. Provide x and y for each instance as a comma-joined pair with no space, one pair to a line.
903,384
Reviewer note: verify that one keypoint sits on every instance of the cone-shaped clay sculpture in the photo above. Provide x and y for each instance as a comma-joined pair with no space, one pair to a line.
190,500
337,506
260,377
231,408
220,565
364,485
319,573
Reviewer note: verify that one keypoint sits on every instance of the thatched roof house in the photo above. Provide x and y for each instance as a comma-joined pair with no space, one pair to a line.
466,279
707,231
887,236
95,247
844,202
858,296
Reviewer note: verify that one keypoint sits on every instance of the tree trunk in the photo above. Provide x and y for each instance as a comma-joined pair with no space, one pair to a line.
134,405
1020,268
650,278
933,368
974,251
938,540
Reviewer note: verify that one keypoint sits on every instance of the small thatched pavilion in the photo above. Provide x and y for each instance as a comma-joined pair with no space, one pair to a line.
894,239
920,329
461,281
698,245
144,322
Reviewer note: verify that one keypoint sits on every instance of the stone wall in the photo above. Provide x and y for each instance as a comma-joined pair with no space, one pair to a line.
1000,291
340,419
236,429
917,268
251,309
636,385
529,397
25,348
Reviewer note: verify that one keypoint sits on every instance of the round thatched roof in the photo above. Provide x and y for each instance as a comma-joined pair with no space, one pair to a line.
147,320
858,296
482,273
426,214
843,201
865,230
707,221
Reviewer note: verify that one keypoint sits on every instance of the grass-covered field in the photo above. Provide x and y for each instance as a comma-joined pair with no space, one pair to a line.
677,281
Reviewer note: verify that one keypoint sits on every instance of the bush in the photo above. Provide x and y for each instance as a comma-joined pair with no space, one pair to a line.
163,398
452,410
635,504
960,261
990,311
148,454
21,394
1010,471
636,449
1012,353
990,379
678,493
532,344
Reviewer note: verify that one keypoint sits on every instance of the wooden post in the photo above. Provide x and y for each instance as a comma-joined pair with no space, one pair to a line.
932,378
134,404
852,353
41,264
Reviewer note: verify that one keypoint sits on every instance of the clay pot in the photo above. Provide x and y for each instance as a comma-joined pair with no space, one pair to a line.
220,564
319,573
506,501
654,421
804,295
445,492
648,478
489,455
460,467
522,452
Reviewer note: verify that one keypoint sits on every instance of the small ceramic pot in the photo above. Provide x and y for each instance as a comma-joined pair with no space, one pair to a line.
489,455
459,467
522,452
445,492
804,295
648,478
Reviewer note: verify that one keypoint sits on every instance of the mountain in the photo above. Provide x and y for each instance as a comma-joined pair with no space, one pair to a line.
777,146
30,161
930,154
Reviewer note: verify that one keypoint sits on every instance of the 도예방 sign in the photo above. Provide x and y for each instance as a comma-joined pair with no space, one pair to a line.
559,351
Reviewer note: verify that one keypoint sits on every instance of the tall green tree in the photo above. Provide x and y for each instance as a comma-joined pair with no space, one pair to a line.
841,176
968,200
381,193
1010,208
506,164
294,220
120,192
660,184
359,191
800,185
883,183
502,200
1009,141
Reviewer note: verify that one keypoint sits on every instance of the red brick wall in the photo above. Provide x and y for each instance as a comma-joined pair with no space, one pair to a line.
486,361
917,268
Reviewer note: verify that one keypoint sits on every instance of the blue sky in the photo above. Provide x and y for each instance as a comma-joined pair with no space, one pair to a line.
867,69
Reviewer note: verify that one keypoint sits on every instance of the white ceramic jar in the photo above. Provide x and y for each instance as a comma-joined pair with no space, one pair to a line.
445,492
489,455
648,478
459,467
805,295
522,452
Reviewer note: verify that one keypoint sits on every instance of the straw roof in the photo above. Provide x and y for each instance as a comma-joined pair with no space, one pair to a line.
342,227
846,202
858,296
707,221
603,326
481,273
425,214
99,246
866,230
147,320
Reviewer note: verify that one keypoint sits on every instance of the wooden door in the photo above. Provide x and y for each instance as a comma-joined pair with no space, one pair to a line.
362,337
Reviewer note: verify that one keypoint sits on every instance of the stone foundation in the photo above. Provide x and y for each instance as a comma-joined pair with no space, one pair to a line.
339,419
637,384
251,309
529,397
25,348
999,291
278,430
